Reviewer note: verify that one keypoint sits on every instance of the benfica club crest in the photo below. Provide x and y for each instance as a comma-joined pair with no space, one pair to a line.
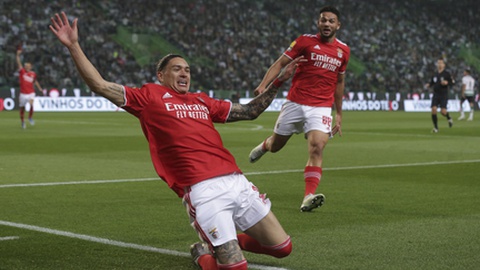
339,53
213,232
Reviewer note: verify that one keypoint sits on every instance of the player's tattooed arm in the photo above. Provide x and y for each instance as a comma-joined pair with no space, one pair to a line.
67,34
229,253
115,93
255,107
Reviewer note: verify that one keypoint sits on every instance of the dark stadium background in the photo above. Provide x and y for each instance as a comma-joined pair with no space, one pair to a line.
230,44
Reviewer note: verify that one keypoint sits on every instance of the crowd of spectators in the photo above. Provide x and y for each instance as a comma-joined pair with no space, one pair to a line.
397,42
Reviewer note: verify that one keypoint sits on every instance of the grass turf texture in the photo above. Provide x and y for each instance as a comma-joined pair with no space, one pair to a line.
397,196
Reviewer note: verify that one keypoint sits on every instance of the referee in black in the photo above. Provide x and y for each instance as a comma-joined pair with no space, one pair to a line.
440,83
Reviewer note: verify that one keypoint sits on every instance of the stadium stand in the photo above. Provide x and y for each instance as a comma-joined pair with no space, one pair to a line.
230,44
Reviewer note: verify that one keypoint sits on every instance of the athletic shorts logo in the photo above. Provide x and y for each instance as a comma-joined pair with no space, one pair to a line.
213,232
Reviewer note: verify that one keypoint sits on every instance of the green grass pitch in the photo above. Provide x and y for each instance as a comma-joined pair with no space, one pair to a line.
78,191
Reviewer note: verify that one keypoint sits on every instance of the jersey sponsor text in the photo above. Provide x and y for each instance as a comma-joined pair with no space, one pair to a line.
194,111
325,61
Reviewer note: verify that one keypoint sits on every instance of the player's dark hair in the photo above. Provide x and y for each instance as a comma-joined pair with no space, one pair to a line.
467,70
162,63
331,9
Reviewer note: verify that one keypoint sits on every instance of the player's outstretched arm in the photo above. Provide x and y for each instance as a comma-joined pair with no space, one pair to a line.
271,74
68,35
257,105
17,57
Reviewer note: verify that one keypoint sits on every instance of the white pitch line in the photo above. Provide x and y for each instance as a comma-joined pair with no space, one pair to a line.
405,165
79,182
249,173
114,242
6,238
372,166
177,253
92,238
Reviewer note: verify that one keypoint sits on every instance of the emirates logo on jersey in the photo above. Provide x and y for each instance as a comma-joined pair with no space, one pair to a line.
28,78
325,61
193,111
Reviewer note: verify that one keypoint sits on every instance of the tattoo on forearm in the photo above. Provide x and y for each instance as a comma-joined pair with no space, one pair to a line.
115,90
114,93
229,252
255,107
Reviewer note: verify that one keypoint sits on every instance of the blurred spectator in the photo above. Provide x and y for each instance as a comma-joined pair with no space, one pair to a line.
232,43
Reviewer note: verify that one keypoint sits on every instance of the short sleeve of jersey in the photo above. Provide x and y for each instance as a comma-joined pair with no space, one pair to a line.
136,99
343,68
295,48
447,76
450,78
219,109
468,81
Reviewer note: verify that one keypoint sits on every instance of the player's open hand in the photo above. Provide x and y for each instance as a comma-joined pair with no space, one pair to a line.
290,69
66,33
338,126
336,129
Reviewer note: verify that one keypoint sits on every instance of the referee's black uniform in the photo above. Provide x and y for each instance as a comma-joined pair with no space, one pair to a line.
440,92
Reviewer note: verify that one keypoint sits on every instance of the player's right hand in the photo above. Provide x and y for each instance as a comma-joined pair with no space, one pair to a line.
258,91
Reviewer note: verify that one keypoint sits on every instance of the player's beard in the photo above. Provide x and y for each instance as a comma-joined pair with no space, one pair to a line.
329,36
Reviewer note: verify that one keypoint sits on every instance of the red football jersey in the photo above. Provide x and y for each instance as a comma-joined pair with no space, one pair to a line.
26,81
184,145
315,81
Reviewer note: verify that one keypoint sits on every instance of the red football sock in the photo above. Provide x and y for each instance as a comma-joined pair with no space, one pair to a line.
22,113
248,243
312,175
207,262
236,266
30,114
264,145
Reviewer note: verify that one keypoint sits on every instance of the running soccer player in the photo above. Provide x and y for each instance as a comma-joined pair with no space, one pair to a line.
316,86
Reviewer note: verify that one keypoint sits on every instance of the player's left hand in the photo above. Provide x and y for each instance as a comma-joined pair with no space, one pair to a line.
338,126
336,129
